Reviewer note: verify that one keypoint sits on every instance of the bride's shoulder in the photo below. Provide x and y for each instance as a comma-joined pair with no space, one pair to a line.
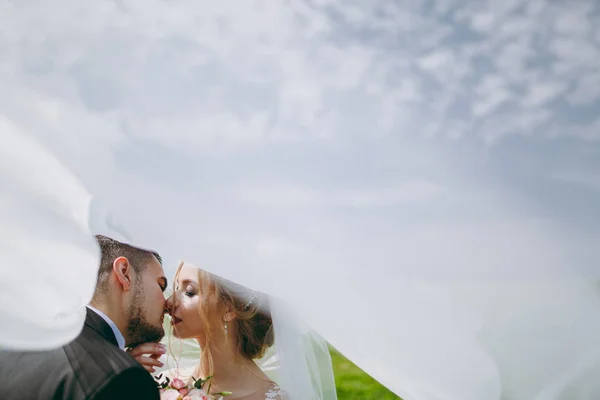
275,393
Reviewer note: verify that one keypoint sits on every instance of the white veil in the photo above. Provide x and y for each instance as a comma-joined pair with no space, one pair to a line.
303,368
44,230
418,180
298,361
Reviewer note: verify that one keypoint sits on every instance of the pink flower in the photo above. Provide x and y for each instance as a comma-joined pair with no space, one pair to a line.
183,392
170,394
196,394
178,384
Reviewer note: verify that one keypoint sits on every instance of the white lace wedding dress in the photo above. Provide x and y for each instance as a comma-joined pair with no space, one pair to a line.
273,392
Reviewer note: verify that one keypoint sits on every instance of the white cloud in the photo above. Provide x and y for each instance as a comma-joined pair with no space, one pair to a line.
492,92
586,90
574,53
445,66
535,8
575,22
511,59
299,196
436,61
483,22
291,60
441,7
541,93
513,27
494,99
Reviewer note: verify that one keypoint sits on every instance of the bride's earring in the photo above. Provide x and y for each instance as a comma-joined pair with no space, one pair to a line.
225,325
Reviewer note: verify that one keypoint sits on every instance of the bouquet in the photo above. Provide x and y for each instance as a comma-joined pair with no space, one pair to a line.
177,389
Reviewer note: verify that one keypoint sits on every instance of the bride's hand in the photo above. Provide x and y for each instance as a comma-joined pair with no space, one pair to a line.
147,355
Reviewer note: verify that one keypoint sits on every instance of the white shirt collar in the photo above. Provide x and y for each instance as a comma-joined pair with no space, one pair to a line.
116,331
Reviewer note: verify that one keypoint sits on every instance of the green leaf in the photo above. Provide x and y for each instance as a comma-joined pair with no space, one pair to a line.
161,383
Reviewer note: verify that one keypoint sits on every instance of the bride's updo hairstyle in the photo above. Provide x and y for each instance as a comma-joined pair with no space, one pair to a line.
252,325
253,318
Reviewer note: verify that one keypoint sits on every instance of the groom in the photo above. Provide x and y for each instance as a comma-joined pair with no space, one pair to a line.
127,309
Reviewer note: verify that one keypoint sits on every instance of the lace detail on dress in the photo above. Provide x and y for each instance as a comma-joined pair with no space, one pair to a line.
275,393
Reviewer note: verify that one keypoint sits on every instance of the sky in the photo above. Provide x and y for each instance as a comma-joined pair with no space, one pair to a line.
320,143
386,114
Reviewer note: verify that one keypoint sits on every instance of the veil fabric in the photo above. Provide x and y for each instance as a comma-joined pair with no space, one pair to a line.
429,207
44,216
299,361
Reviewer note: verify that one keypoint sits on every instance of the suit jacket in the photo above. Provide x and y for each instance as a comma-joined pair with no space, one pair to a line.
90,367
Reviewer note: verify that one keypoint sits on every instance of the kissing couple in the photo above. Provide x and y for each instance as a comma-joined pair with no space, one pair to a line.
119,345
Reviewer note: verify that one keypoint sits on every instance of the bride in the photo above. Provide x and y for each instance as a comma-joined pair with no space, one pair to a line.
234,327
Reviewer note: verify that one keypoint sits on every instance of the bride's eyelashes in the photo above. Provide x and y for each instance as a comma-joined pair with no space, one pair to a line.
189,292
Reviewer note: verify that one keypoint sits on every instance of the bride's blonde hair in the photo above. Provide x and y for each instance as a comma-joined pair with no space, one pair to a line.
252,327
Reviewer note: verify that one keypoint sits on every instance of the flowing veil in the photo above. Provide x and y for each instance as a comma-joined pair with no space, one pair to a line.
416,181
302,362
44,213
298,361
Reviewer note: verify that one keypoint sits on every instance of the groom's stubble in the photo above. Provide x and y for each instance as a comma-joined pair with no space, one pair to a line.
139,330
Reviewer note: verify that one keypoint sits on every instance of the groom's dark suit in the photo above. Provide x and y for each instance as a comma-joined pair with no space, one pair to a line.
90,367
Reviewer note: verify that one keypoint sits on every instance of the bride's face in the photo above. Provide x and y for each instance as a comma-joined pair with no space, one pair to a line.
184,305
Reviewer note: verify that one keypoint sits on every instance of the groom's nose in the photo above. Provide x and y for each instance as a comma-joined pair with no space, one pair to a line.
169,304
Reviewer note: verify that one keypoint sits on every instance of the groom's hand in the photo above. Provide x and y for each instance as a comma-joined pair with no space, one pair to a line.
147,354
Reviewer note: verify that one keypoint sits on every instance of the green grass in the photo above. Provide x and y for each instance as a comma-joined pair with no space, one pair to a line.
352,383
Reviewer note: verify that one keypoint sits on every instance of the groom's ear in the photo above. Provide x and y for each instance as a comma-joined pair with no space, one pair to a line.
123,272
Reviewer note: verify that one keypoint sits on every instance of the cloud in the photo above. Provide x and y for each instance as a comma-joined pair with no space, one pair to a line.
575,23
299,69
483,22
541,93
293,196
495,91
585,90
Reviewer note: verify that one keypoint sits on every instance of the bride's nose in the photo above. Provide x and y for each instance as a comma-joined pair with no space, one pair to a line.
171,303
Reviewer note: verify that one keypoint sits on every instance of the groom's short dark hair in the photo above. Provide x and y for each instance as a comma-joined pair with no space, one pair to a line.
110,250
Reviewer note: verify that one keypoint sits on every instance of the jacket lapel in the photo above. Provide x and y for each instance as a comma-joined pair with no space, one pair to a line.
95,322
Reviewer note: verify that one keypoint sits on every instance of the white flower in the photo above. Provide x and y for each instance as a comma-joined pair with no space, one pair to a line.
196,394
170,394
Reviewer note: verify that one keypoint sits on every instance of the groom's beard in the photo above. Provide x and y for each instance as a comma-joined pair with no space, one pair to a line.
139,330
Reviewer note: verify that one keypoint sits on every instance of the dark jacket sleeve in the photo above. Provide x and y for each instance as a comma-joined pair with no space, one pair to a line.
133,383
